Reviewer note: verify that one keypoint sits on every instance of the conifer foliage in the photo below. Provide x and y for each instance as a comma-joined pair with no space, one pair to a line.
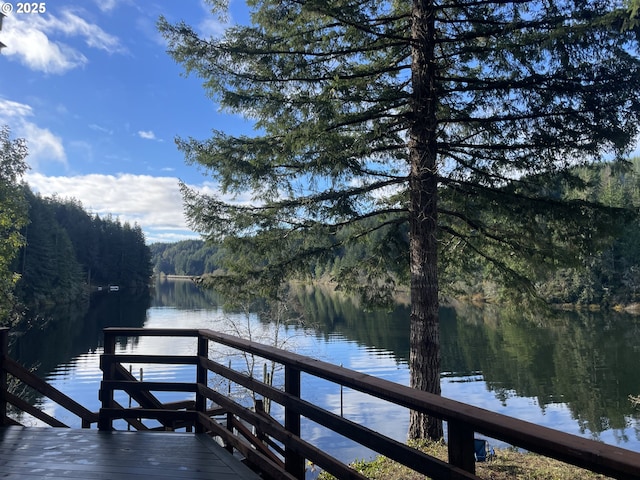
425,130
69,253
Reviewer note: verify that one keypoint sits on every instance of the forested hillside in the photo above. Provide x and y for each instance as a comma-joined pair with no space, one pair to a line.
68,252
608,277
188,257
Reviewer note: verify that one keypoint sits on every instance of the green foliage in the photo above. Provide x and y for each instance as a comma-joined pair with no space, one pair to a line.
13,215
330,89
607,275
49,271
431,129
68,252
187,257
509,463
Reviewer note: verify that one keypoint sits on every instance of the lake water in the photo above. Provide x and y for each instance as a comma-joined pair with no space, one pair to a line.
572,372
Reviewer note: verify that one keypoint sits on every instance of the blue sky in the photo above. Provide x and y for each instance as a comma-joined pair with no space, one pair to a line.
90,86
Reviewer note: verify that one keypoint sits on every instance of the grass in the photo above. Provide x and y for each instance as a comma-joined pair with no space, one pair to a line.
508,464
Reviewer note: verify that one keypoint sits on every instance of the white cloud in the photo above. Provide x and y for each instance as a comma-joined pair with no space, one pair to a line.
106,5
147,134
154,203
34,49
44,146
10,109
31,39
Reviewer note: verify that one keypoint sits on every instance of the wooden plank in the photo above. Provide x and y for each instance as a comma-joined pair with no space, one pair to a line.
461,446
144,398
277,431
137,387
596,456
151,332
165,359
419,461
255,441
40,453
294,462
33,411
134,422
44,388
164,416
254,457
201,378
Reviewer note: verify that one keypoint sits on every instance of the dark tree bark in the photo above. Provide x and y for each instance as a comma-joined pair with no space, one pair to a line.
423,218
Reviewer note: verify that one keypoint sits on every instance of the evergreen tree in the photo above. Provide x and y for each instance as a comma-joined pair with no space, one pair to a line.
49,271
66,252
187,257
13,215
445,119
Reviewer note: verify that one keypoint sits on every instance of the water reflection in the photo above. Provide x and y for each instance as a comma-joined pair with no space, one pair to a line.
587,361
73,330
572,371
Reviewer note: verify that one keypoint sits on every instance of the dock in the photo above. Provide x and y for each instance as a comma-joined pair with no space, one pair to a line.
28,453
210,435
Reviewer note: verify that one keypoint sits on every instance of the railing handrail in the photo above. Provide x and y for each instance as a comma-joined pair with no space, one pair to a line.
607,459
8,365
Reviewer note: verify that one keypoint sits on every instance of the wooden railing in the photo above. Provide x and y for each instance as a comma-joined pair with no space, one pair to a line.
23,377
280,449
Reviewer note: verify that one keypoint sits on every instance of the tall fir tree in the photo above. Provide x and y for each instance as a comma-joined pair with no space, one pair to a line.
426,130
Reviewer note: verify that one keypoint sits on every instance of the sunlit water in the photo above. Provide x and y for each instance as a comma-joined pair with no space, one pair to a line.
80,378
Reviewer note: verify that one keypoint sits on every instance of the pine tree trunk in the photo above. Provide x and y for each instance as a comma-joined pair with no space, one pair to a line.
423,183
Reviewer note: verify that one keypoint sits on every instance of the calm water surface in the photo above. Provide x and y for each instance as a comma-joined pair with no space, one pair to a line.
572,372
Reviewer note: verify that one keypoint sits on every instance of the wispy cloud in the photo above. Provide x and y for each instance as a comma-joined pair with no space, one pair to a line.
106,5
147,134
100,129
213,24
33,40
44,145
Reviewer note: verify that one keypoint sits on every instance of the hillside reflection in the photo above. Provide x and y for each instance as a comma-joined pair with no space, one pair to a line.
586,361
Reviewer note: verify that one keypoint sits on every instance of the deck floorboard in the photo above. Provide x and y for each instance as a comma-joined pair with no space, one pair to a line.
61,453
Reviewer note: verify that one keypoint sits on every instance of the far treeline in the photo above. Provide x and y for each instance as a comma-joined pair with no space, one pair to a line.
608,278
52,252
69,252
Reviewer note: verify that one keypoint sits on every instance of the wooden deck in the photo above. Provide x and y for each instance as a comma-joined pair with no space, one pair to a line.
62,453
276,448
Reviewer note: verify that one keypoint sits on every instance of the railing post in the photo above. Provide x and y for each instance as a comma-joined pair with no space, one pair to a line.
108,373
228,445
461,446
201,378
259,406
4,353
293,462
